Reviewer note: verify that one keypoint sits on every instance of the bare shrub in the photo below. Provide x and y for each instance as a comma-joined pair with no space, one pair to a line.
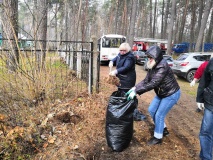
27,95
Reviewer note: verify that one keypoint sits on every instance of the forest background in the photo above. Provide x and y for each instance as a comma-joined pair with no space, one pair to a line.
176,20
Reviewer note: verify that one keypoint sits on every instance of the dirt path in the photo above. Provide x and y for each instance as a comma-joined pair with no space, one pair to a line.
183,124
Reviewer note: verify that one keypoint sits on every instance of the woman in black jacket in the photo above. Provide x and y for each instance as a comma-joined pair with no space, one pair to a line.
205,95
160,78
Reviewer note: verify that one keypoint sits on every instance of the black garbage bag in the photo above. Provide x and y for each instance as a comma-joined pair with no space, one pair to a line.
119,121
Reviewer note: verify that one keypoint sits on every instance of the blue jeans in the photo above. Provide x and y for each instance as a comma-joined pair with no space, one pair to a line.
158,110
206,135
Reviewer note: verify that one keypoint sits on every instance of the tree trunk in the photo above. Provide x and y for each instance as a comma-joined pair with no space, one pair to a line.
110,28
162,20
61,20
155,11
42,32
130,38
209,36
176,26
116,17
169,48
66,30
10,32
78,19
150,19
124,30
200,14
192,27
203,25
166,18
34,19
183,21
84,22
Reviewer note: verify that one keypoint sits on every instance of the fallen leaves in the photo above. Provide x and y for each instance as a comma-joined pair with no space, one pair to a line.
13,133
113,80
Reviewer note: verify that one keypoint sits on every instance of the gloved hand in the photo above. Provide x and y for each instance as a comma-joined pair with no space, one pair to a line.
200,106
132,89
192,83
131,94
110,64
113,73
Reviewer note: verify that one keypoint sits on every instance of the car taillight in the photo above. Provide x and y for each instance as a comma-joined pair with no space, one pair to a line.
184,64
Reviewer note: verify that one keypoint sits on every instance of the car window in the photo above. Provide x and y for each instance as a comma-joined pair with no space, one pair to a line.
135,53
141,53
169,59
202,57
182,57
207,57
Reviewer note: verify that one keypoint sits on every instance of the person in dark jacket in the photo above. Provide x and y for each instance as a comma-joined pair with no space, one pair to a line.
160,78
125,71
205,95
198,74
125,67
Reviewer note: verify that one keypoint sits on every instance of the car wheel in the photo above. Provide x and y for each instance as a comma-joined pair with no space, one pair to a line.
190,75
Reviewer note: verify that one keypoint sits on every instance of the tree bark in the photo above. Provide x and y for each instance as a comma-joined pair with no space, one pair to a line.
41,32
162,20
130,38
203,25
200,14
169,48
183,21
150,19
155,11
209,36
166,18
192,27
10,32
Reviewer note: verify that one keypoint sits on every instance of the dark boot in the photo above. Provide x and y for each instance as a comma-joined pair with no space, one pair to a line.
154,141
165,132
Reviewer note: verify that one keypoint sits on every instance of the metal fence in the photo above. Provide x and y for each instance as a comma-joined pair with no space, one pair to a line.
68,71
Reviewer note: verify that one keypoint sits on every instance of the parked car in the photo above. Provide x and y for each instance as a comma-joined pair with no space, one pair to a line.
168,58
140,57
187,63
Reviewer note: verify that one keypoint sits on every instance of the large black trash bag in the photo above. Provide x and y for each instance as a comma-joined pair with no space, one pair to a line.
119,121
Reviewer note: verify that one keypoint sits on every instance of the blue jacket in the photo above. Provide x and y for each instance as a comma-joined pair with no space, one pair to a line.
125,65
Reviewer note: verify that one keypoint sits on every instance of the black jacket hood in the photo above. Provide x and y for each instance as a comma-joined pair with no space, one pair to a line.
156,53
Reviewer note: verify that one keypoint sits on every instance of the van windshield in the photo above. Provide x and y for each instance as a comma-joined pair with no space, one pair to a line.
111,42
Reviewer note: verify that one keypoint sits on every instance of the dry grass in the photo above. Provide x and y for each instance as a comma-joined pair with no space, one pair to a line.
73,127
27,97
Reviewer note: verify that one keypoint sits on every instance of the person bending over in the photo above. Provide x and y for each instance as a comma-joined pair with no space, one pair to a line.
160,78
